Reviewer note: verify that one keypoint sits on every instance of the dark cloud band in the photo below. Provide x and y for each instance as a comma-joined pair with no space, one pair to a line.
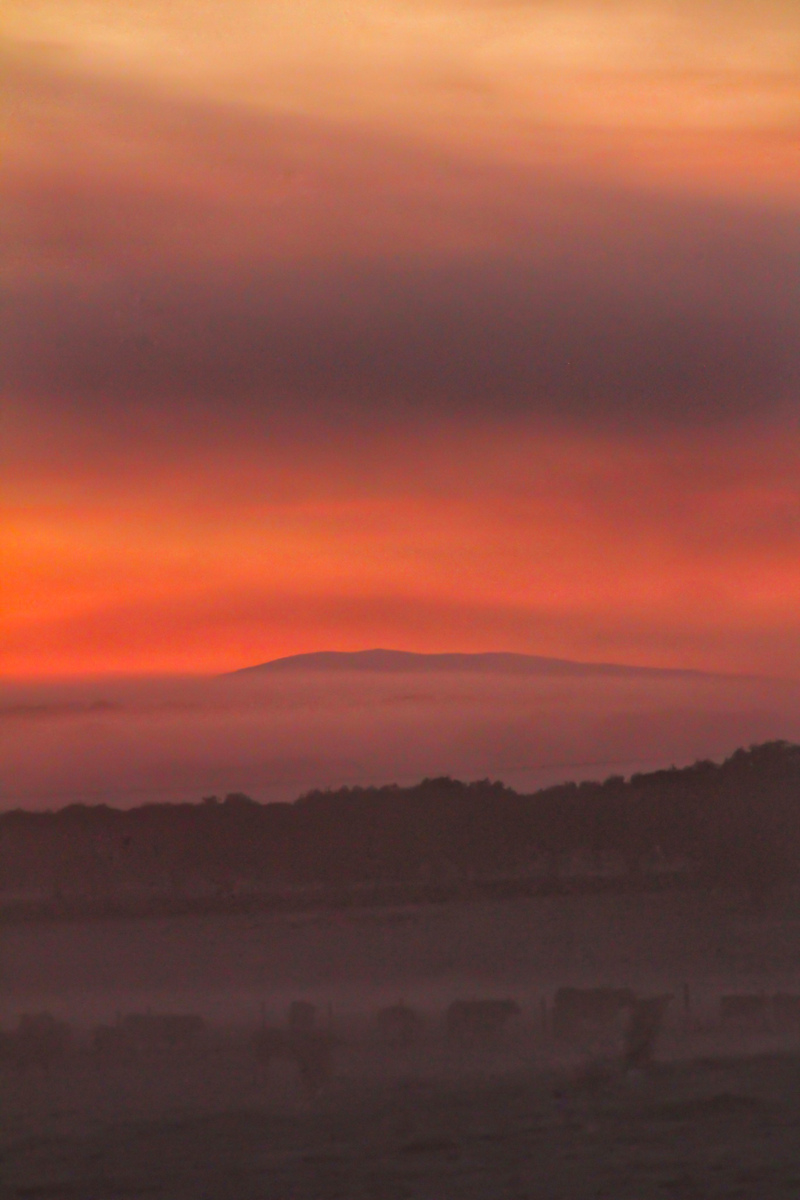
548,338
577,302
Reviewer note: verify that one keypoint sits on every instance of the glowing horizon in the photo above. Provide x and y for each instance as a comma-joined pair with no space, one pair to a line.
442,325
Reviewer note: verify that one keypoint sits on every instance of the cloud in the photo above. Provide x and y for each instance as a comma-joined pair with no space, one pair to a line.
691,333
278,381
171,248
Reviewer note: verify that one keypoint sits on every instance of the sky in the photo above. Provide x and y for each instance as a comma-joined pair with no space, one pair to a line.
430,324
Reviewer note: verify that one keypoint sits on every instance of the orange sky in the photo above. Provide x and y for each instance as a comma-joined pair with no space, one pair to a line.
436,324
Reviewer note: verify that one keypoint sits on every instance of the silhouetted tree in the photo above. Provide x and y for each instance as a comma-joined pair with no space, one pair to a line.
735,825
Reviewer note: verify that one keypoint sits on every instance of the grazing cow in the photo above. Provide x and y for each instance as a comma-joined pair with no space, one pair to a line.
269,1043
588,1012
786,1010
475,1021
39,1040
110,1041
310,1050
302,1015
157,1032
644,1026
744,1011
313,1053
398,1026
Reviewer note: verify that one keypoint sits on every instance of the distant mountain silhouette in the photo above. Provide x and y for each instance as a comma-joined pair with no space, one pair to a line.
500,662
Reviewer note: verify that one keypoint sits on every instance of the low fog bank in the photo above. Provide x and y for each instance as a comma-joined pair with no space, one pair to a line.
228,966
127,742
529,1105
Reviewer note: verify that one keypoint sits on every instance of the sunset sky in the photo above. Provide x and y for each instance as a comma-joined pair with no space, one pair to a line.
431,324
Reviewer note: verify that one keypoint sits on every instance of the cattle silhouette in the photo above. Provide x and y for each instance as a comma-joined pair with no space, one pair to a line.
641,1032
269,1043
398,1025
311,1051
110,1041
786,1011
479,1021
302,1015
164,1031
149,1033
747,1011
40,1040
586,1013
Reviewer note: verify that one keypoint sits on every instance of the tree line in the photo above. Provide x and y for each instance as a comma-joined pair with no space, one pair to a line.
734,824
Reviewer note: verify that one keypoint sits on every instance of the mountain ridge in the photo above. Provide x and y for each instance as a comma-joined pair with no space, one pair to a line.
500,662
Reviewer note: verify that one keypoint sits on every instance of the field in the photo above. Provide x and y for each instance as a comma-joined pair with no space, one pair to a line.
717,1115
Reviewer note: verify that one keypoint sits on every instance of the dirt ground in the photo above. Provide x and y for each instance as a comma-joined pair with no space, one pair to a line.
205,1129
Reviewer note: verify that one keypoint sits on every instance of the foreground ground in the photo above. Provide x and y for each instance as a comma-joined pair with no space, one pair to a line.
427,1129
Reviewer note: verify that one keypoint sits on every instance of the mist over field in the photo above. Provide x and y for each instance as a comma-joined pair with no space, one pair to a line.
274,736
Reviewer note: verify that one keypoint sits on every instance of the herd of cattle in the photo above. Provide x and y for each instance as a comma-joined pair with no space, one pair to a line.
578,1017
